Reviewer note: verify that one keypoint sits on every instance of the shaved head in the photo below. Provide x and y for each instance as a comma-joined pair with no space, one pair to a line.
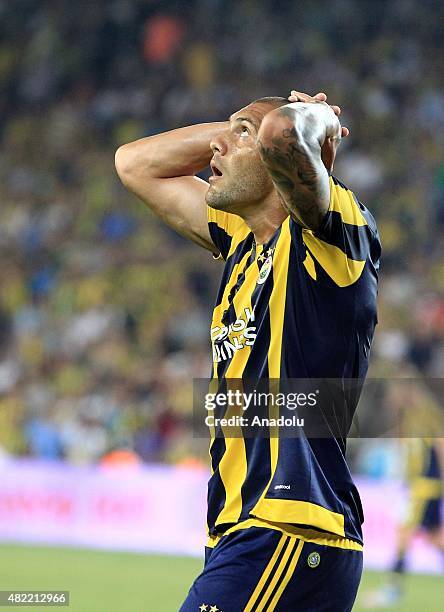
257,107
275,101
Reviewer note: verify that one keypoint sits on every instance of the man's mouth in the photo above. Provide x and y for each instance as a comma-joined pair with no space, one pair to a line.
215,170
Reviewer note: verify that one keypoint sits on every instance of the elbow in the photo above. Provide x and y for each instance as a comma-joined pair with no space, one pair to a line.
134,162
124,163
121,162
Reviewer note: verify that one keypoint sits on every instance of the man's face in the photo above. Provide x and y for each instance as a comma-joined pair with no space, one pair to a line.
239,177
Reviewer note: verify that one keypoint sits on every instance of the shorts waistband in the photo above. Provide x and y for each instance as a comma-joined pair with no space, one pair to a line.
307,535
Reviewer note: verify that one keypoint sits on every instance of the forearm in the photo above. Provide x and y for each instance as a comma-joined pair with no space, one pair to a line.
181,152
292,142
161,169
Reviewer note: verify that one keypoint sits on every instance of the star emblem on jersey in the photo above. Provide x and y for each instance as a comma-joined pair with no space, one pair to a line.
203,608
265,270
261,257
313,559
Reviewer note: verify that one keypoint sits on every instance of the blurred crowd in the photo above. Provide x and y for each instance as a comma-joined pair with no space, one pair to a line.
104,312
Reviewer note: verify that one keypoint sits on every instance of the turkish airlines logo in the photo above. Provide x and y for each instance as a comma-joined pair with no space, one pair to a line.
227,340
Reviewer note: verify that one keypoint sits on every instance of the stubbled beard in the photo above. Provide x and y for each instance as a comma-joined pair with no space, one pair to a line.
234,197
221,200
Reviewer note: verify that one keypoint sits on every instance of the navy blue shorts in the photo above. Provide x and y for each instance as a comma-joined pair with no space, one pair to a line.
259,569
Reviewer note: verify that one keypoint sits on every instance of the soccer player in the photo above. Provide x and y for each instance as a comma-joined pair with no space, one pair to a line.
297,300
425,484
424,475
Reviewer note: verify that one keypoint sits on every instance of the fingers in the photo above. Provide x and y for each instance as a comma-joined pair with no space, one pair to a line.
344,133
298,96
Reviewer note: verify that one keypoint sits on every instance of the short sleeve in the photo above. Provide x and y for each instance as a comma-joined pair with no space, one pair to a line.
223,226
347,239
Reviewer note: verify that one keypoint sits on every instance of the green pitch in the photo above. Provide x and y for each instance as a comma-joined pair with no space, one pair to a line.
120,582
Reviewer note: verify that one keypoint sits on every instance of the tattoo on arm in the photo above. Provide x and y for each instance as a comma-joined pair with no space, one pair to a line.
295,171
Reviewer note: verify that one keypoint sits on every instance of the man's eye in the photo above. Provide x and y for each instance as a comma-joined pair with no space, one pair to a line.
245,131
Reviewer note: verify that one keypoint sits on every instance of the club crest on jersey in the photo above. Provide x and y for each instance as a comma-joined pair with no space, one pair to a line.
265,270
313,559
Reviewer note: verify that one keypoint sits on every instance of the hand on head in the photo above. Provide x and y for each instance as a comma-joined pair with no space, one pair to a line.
298,96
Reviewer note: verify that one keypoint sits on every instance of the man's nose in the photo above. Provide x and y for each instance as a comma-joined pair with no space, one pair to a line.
219,144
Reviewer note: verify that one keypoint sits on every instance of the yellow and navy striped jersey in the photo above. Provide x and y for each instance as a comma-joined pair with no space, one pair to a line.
303,305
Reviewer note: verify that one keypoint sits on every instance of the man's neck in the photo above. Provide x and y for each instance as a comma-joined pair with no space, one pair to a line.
264,218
